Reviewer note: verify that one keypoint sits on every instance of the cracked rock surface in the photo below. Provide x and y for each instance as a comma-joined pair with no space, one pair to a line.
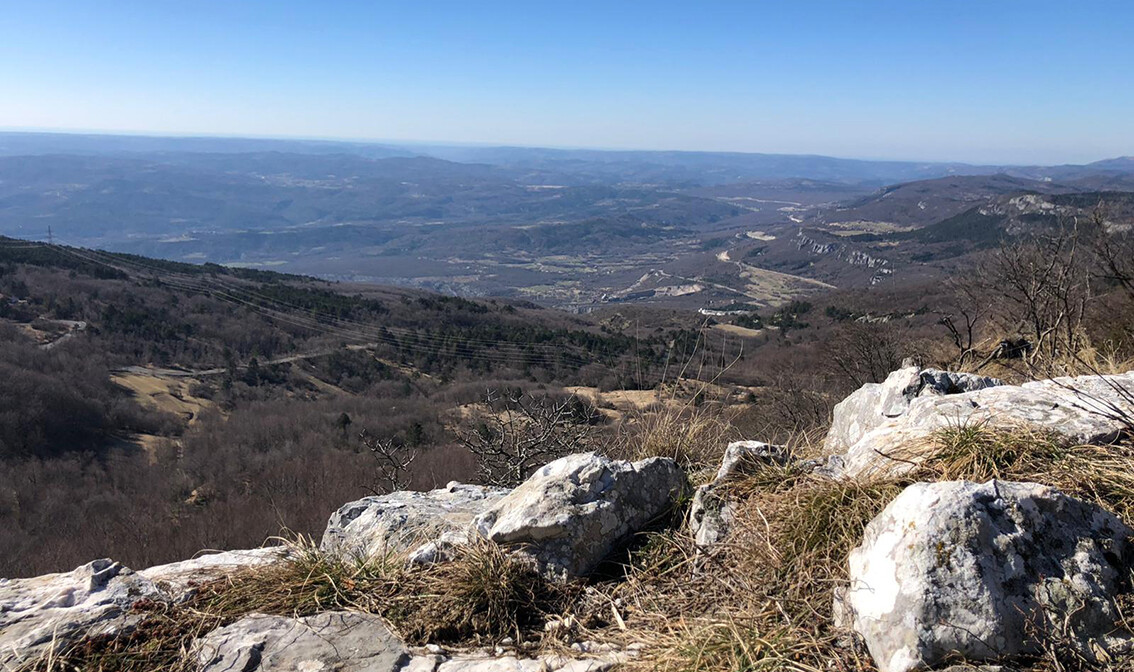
571,513
981,569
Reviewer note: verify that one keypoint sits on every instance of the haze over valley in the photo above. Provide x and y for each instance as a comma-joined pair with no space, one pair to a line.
571,229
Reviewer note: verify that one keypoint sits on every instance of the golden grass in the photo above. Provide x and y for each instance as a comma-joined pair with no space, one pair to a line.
762,600
482,596
694,436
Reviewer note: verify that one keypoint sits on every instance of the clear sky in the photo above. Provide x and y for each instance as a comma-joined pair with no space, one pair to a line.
985,81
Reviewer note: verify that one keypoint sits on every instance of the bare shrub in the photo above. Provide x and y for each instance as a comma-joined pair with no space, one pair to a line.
393,460
516,433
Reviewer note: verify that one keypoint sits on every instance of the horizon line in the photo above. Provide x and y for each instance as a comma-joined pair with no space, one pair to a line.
31,130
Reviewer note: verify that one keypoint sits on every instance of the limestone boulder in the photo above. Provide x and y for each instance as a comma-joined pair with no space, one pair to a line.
571,513
51,610
711,513
983,570
874,404
177,581
1085,409
55,610
332,640
423,524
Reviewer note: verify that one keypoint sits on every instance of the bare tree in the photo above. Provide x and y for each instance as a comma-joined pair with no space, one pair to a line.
867,353
1045,287
393,460
1112,250
518,433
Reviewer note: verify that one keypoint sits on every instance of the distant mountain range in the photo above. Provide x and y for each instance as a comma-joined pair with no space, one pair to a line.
670,168
568,228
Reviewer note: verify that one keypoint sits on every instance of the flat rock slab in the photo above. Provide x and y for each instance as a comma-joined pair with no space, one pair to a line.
1084,409
874,404
54,610
49,611
177,581
336,640
978,569
404,520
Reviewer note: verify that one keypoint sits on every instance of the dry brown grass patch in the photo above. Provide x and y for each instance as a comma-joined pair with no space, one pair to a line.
482,596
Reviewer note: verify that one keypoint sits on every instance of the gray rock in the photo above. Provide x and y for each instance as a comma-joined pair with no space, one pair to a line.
572,512
334,640
976,570
55,610
422,523
742,456
876,403
1085,409
711,513
43,612
177,581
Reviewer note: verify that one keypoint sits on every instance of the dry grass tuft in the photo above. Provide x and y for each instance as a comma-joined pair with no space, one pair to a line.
482,596
1101,474
764,599
694,436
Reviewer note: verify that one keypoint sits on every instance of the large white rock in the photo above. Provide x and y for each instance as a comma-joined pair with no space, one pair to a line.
332,640
874,404
1085,409
572,512
48,611
53,610
960,568
404,521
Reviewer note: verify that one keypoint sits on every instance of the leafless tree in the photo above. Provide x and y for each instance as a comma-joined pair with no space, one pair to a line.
964,322
393,459
1045,287
867,353
518,433
1112,250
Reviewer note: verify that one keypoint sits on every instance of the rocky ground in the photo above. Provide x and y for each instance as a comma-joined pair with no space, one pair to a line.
948,519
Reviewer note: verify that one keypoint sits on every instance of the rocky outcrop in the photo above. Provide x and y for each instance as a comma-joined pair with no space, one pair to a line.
741,457
334,640
1086,409
874,404
178,580
39,613
421,523
711,512
568,515
983,570
571,513
52,610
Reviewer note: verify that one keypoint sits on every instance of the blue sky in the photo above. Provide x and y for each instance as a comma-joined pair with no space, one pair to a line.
990,81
